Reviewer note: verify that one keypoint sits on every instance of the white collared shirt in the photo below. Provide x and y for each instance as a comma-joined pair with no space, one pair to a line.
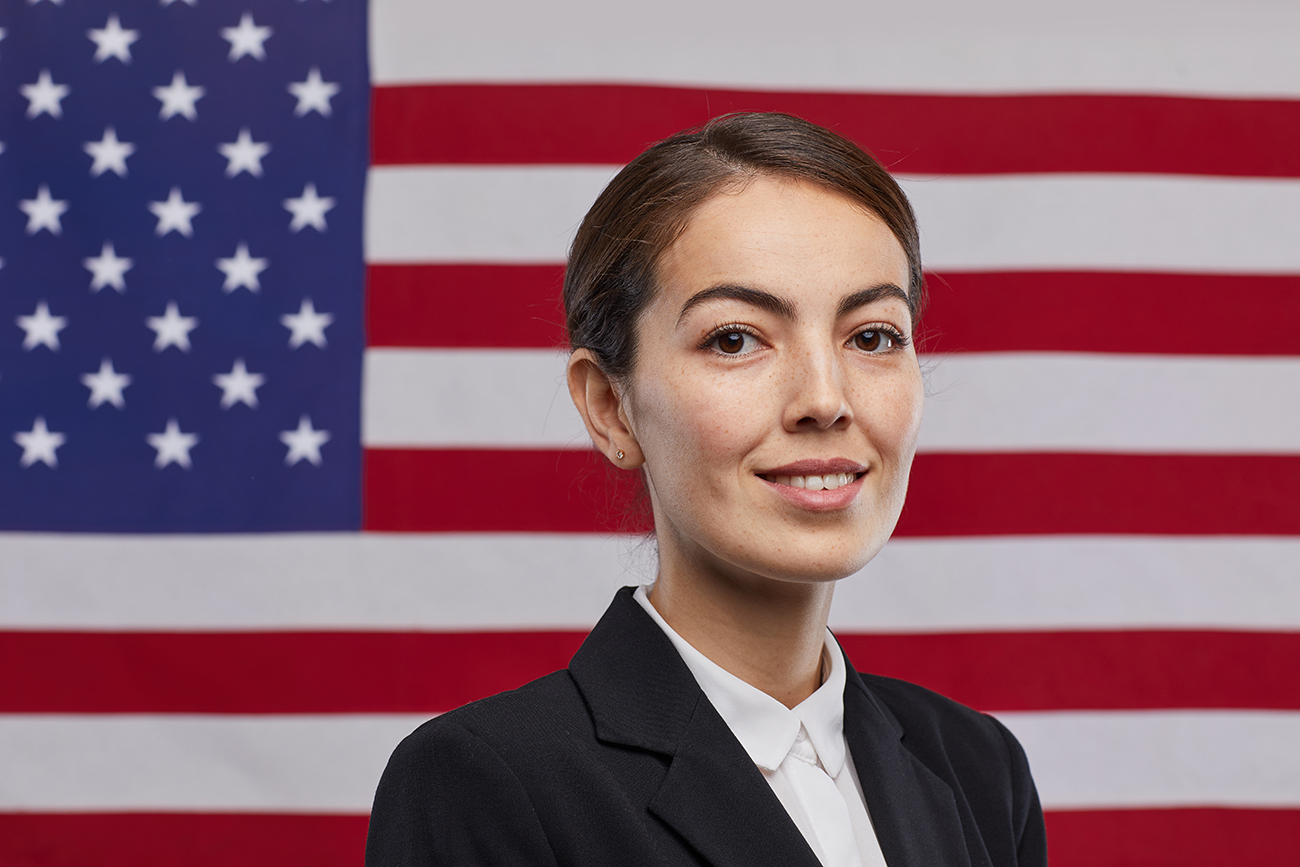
799,750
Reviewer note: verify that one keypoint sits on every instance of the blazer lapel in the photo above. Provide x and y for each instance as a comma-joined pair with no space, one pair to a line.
717,799
642,695
913,811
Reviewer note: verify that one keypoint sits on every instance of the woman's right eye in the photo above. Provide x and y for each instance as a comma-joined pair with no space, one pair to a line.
734,342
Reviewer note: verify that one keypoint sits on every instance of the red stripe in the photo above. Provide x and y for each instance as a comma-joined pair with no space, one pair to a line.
375,672
910,133
1109,312
415,490
1173,838
949,495
1095,838
461,306
464,305
1119,670
172,839
1000,494
270,672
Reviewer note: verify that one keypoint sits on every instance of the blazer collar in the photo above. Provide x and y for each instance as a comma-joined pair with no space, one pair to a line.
913,811
642,695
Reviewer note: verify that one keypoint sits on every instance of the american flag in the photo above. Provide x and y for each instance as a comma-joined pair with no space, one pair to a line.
278,482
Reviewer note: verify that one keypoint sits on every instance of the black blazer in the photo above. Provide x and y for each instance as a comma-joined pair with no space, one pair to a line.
621,760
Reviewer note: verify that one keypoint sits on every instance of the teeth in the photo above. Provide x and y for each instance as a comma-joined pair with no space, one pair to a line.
815,483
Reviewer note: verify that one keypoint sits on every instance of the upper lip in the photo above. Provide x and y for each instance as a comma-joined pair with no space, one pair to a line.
816,467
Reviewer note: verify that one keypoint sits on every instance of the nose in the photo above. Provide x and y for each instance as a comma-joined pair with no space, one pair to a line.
817,398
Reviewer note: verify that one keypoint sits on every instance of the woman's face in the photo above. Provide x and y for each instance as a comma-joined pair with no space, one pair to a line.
776,395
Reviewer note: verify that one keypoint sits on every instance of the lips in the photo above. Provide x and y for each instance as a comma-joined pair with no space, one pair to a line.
826,482
817,483
816,467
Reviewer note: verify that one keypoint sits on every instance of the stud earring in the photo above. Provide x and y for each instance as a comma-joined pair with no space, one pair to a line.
619,454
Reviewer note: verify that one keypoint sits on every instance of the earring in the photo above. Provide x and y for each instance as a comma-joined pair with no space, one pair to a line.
619,454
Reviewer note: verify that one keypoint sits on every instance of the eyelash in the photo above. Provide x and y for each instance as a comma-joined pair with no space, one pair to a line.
899,340
717,333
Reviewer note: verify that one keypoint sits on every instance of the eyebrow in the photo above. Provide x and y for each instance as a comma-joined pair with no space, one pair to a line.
754,297
870,296
783,308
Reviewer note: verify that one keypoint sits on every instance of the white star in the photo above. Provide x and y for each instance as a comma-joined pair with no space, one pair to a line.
43,212
178,98
239,386
39,444
187,2
172,445
107,269
109,153
44,96
313,94
247,38
174,215
304,443
42,328
52,2
106,385
113,41
244,155
309,209
172,329
307,326
241,270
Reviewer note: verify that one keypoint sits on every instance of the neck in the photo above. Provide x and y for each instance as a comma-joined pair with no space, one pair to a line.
768,633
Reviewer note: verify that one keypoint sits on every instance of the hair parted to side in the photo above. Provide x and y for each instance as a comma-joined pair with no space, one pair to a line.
611,271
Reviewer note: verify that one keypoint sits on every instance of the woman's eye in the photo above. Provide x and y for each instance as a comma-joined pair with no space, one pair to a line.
735,342
874,341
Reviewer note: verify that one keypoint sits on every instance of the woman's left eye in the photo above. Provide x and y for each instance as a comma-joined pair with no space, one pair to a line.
875,340
734,342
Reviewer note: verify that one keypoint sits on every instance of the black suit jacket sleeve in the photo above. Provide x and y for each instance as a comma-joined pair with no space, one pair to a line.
449,798
1027,813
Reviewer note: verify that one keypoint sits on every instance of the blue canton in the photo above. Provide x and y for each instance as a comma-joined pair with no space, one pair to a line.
181,296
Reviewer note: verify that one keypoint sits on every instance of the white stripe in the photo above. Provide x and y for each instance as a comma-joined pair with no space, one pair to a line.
1141,223
1107,760
471,214
998,222
331,764
522,581
263,763
1111,403
474,398
517,398
1141,46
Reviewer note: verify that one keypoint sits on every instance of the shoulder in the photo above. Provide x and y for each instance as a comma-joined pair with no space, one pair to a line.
527,721
971,750
940,726
978,757
462,788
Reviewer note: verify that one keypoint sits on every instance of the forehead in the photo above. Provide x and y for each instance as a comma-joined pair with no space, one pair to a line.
782,235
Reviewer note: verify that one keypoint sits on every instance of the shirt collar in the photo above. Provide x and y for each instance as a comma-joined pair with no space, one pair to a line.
766,728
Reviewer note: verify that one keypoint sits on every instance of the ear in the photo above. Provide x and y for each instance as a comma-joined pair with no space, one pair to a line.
602,408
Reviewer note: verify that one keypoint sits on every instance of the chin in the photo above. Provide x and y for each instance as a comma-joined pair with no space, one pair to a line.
814,566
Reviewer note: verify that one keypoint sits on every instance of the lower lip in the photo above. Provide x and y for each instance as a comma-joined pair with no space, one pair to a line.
819,501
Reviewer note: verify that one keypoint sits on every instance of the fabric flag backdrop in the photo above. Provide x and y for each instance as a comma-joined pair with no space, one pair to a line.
265,511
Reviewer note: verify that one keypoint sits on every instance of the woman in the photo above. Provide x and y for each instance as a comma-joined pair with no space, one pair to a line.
741,301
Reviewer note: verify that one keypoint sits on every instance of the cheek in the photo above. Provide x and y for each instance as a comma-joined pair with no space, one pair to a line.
681,420
893,412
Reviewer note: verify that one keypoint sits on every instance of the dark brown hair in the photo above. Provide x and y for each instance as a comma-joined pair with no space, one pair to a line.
611,273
